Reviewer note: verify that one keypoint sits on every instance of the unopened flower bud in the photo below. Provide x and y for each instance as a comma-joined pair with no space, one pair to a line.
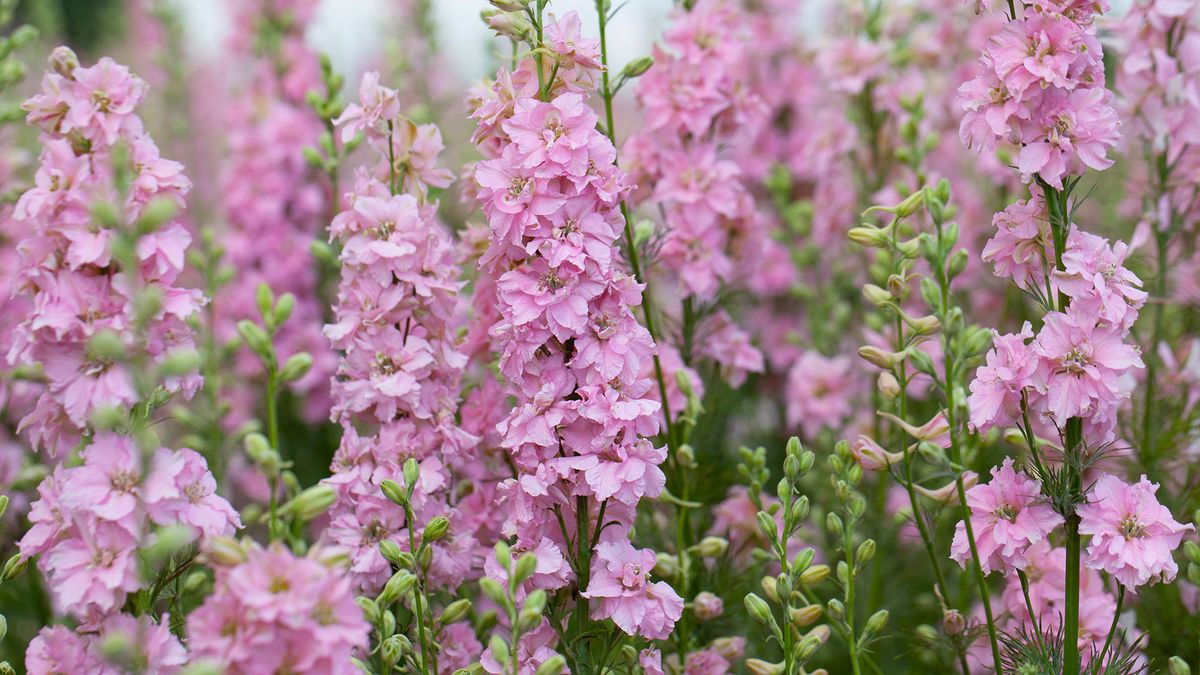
392,553
310,503
396,587
760,667
865,552
807,647
1177,666
947,494
758,608
876,623
926,634
953,622
707,606
64,62
833,523
370,609
923,325
666,565
877,296
836,609
814,575
870,236
512,25
888,385
881,358
685,456
805,616
392,490
392,650
709,547
731,648
637,67
296,367
525,567
436,529
767,526
455,611
552,666
768,586
412,473
493,590
224,551
510,5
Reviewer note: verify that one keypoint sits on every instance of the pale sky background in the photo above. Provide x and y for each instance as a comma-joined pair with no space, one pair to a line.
351,33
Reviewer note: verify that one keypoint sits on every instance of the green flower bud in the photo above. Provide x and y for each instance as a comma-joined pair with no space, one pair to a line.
638,66
876,623
436,529
767,526
255,338
552,666
758,608
392,650
499,649
396,587
814,575
709,547
881,358
833,523
836,609
805,616
225,551
296,367
370,609
1177,666
865,552
493,590
412,473
392,490
14,567
525,567
283,309
310,503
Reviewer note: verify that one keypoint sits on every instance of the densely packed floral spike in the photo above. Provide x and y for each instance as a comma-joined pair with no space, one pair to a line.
820,337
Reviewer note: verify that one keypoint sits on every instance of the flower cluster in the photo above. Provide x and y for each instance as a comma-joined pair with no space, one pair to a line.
142,643
87,288
401,365
1041,88
1076,364
570,348
273,611
274,202
90,520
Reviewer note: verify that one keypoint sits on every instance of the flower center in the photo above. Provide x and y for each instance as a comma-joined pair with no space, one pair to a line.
631,576
123,481
1132,529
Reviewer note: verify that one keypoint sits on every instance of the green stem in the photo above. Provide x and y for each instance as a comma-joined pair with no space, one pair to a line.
273,437
427,655
852,638
1071,612
1112,630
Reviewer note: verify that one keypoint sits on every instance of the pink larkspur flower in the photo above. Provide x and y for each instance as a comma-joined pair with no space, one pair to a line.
1007,517
1133,535
620,583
